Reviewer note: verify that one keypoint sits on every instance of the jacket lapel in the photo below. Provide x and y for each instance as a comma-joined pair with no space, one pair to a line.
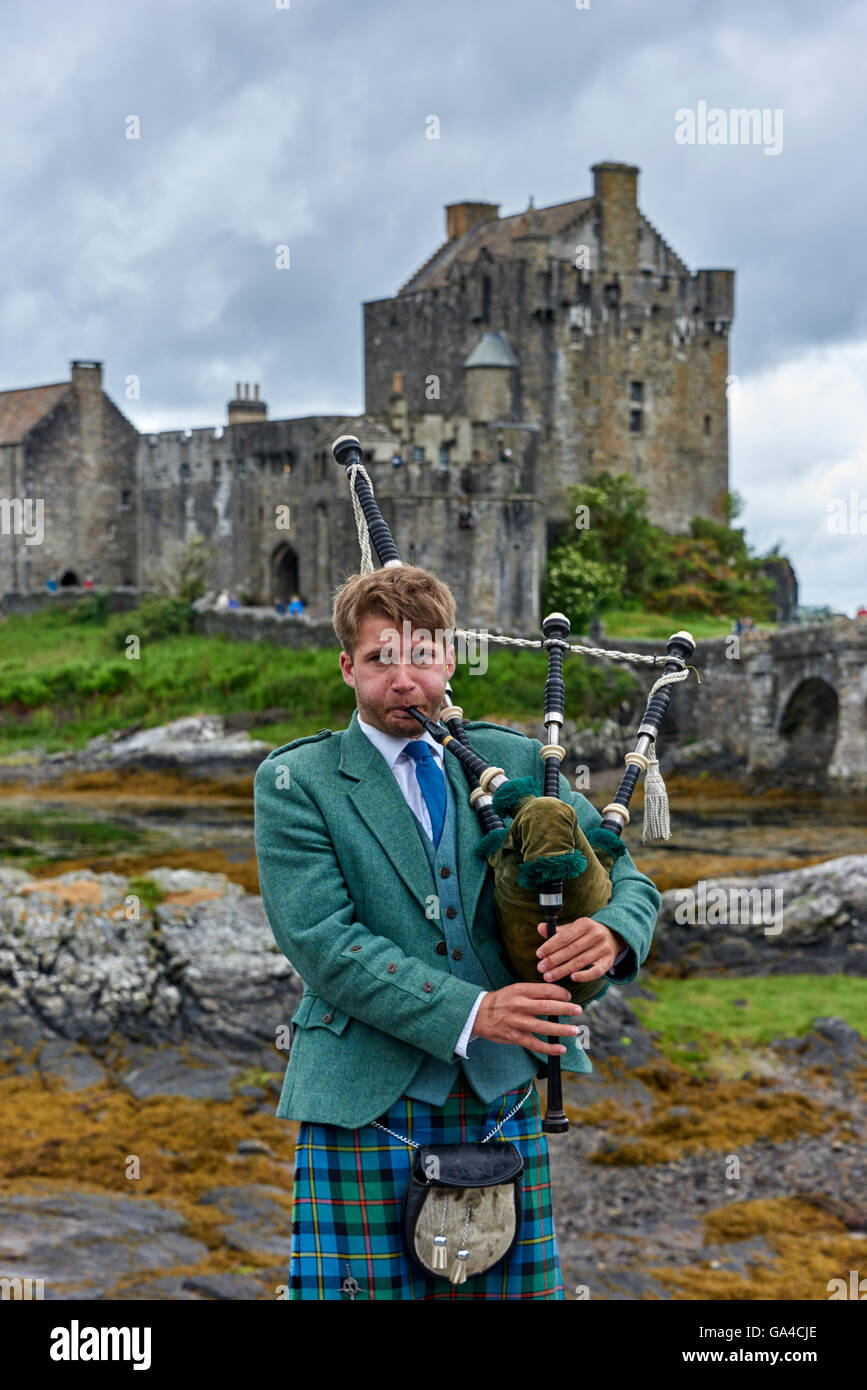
381,804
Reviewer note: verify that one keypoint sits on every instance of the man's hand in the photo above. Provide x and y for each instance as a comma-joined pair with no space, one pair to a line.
518,1013
583,950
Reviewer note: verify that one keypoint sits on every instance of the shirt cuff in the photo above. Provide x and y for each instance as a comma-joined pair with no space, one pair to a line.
463,1041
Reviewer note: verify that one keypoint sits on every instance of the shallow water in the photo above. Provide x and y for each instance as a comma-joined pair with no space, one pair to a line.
717,829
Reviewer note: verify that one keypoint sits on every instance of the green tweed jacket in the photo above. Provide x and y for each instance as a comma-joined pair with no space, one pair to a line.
347,889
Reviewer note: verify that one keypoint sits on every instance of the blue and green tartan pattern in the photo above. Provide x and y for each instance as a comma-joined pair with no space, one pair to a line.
349,1185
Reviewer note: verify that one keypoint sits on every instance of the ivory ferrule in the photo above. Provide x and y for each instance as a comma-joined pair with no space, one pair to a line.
492,778
553,750
615,809
638,759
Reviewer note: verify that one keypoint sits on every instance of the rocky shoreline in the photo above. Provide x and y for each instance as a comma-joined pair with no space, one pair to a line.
172,1010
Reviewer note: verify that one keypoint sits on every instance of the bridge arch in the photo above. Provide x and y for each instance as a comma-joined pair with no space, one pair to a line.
809,725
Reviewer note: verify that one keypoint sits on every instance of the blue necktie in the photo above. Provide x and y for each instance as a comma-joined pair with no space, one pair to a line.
432,783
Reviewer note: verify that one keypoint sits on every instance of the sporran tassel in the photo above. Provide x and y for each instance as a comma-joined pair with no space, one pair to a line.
459,1268
656,816
440,1259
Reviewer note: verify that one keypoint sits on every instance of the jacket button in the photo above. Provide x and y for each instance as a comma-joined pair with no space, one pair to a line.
442,948
456,954
328,1018
355,948
427,987
445,871
391,969
451,912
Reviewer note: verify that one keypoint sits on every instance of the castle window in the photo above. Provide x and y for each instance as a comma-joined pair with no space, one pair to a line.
486,299
636,334
185,472
215,470
125,500
242,468
444,456
612,295
290,460
635,422
707,425
417,454
636,391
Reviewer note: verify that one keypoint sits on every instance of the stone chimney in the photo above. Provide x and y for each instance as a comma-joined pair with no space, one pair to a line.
615,190
87,383
246,408
462,217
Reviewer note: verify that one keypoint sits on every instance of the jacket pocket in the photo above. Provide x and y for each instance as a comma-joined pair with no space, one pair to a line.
314,1012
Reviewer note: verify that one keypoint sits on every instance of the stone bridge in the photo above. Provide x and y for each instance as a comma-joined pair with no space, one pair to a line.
791,702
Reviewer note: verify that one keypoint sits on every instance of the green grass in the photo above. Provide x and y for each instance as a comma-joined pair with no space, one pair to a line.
62,682
658,627
699,1024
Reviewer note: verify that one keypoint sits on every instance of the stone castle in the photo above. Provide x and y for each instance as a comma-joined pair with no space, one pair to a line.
528,353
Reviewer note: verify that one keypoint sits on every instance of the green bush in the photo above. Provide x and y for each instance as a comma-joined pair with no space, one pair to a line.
92,609
155,619
621,559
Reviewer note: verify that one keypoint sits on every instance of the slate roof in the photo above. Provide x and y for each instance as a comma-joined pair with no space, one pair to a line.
497,238
21,410
493,350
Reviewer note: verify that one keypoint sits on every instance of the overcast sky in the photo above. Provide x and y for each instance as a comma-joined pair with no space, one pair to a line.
305,126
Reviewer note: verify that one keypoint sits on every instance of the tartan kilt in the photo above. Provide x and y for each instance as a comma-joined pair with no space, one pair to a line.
349,1186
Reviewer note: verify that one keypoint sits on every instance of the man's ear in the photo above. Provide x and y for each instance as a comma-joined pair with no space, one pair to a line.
450,662
346,668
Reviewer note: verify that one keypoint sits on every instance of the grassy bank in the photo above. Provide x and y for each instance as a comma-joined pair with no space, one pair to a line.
716,1026
63,681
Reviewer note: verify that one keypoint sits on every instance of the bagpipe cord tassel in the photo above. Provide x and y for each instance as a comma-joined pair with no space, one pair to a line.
440,1244
657,825
459,1268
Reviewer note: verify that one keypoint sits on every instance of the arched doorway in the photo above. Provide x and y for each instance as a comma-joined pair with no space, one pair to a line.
809,726
69,580
284,573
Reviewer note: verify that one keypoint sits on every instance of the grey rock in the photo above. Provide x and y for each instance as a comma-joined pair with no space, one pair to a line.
811,920
84,972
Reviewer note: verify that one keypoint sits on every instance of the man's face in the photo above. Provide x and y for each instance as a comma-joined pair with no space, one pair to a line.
395,667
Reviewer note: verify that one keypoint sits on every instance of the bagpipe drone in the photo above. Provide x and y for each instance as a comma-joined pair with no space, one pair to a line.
543,863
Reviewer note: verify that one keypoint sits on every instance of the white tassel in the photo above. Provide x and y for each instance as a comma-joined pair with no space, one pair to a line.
656,816
459,1268
440,1253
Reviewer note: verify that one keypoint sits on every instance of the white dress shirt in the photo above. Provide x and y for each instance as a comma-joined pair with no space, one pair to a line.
391,747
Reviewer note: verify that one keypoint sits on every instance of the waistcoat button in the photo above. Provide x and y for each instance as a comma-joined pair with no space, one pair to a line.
456,954
445,871
442,948
427,988
451,912
391,969
328,1018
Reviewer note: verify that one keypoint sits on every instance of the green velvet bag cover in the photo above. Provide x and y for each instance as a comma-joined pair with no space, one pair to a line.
544,842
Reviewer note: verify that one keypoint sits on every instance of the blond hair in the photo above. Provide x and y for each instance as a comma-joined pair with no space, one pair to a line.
400,593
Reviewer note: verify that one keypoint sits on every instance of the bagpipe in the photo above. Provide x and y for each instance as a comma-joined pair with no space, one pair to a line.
543,863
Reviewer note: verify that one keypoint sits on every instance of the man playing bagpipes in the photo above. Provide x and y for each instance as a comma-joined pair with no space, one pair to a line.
412,1031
